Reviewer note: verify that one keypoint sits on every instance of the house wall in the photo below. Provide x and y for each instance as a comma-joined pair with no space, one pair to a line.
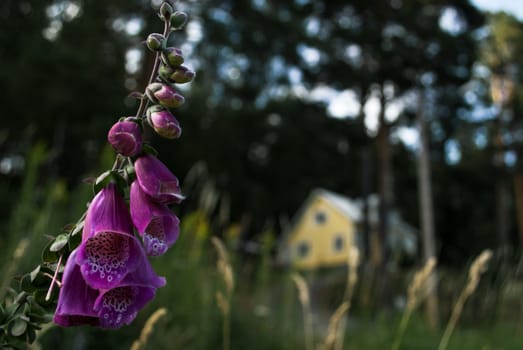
321,237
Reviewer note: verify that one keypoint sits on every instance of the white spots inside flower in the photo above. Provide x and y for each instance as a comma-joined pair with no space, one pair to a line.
107,254
117,304
153,245
154,237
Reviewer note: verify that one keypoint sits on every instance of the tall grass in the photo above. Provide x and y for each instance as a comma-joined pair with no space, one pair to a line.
258,308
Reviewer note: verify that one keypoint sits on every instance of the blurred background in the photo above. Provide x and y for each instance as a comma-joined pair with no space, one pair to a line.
312,127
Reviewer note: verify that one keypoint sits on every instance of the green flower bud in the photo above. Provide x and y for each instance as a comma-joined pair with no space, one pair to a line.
172,56
155,41
166,10
178,19
179,74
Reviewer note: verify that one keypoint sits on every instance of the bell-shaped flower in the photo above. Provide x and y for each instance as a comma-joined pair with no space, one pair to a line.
119,305
157,181
109,249
76,299
80,304
157,225
163,122
126,138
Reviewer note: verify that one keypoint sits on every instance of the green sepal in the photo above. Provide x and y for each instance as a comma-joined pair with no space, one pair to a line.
107,177
120,182
102,181
148,149
77,228
74,241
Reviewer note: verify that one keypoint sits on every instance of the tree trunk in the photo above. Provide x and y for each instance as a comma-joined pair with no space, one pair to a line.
426,209
385,200
502,195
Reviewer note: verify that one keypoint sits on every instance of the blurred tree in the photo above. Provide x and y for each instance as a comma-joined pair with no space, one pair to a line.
501,53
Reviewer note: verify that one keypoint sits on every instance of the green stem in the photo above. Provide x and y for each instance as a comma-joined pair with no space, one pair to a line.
144,101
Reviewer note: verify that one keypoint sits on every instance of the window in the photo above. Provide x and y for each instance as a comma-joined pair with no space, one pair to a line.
320,217
303,249
338,243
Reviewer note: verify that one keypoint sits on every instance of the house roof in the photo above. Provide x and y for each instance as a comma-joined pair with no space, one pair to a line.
344,204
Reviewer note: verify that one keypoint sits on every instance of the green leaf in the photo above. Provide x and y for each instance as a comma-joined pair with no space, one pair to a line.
59,242
31,335
35,273
26,283
17,327
48,256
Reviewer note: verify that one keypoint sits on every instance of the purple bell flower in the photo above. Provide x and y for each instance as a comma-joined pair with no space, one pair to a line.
157,181
157,225
76,299
163,122
109,250
119,305
126,138
80,304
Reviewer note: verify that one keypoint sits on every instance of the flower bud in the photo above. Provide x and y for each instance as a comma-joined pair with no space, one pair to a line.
166,10
126,138
172,56
163,122
179,74
155,41
164,94
178,19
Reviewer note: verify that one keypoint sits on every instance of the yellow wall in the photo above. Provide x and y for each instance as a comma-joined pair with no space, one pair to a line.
320,237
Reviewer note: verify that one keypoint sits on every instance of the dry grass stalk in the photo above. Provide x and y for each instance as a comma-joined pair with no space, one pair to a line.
304,297
478,267
148,329
335,322
417,291
223,299
353,261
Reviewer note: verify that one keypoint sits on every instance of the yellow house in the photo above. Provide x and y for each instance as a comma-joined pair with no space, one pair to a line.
322,231
326,226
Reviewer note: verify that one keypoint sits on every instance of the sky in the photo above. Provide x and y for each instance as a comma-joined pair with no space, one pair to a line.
514,7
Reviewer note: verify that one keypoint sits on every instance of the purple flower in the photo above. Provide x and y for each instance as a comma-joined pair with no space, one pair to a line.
157,181
158,226
126,138
163,122
109,250
119,305
164,94
76,299
79,303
